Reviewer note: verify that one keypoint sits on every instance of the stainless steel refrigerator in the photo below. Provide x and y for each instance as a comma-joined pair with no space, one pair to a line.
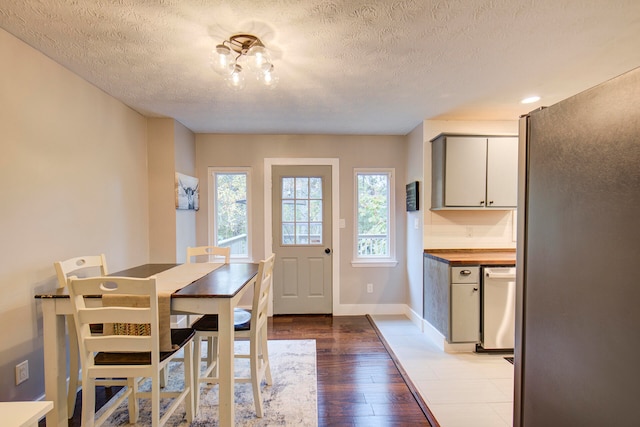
578,261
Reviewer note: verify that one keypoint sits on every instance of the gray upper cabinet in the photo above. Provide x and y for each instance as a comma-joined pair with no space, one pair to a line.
474,172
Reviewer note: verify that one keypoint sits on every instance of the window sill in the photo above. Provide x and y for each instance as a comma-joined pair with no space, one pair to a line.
374,263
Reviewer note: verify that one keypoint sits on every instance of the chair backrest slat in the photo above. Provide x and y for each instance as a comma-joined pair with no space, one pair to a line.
213,253
107,314
122,343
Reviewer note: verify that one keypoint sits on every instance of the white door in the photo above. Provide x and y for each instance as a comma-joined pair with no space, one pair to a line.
302,227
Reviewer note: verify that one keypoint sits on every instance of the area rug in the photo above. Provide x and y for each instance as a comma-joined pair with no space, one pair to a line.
290,401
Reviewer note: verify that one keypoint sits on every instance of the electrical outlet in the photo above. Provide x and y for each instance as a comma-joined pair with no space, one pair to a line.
369,288
22,372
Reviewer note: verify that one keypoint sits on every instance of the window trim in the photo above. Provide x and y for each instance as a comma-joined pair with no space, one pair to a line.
377,261
212,171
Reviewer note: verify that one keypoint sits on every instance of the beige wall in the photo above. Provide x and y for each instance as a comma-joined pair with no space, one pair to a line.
352,152
185,162
448,229
171,150
73,181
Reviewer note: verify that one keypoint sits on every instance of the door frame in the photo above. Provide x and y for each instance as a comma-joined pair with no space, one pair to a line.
335,213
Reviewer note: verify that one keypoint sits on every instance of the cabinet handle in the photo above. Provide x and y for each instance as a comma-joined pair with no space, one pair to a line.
482,202
491,202
465,272
475,289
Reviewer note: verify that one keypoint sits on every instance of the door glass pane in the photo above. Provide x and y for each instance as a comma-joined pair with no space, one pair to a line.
288,211
302,188
301,211
315,188
288,188
315,233
315,210
288,234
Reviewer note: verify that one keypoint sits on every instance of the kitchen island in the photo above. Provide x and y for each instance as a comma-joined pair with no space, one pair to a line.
452,282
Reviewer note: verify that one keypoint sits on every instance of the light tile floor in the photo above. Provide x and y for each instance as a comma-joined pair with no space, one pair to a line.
460,389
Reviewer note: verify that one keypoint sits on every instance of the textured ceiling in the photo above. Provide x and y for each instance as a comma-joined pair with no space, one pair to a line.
345,67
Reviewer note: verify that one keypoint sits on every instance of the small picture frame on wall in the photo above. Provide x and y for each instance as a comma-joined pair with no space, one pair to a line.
412,197
187,196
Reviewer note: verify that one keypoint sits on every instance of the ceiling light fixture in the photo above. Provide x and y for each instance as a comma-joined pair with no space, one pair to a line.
243,54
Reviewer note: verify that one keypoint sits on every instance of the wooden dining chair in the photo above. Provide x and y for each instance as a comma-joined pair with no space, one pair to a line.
87,266
253,327
213,254
131,356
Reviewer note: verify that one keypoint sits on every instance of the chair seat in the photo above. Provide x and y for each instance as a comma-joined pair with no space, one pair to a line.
209,322
179,338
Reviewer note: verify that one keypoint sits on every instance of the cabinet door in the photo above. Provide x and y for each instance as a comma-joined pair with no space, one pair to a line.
465,312
465,171
502,172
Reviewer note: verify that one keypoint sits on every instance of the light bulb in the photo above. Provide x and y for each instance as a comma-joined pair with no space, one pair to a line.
222,60
258,56
268,76
236,79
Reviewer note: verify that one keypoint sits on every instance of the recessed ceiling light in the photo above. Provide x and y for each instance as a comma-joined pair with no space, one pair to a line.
530,100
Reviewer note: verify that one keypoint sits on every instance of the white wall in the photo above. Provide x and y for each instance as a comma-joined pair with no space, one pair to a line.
450,229
73,180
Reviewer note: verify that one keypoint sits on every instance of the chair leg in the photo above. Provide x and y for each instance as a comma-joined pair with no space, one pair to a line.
155,399
197,355
212,356
88,401
74,366
134,404
188,381
164,377
265,357
255,379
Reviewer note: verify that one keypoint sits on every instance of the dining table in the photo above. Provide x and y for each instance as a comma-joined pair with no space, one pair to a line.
200,292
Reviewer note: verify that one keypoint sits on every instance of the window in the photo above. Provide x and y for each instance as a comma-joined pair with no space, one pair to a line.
375,226
302,210
230,218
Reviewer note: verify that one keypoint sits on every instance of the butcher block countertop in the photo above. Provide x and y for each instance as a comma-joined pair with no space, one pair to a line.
473,256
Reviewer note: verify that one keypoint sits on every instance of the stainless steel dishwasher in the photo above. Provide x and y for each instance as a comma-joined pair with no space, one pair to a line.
498,308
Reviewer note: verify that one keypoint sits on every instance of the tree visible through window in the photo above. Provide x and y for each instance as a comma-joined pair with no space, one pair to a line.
373,214
231,213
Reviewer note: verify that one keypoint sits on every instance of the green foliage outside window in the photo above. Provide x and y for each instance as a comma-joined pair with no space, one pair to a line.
231,211
373,214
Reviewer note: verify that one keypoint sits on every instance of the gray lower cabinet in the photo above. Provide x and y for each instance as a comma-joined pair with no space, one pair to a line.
465,304
452,300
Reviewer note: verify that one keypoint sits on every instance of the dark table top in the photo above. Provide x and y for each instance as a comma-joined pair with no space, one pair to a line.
223,282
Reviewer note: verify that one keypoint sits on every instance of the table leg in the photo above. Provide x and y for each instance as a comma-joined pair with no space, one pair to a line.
225,370
55,369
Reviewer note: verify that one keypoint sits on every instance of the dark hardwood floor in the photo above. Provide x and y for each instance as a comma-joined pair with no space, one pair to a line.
358,382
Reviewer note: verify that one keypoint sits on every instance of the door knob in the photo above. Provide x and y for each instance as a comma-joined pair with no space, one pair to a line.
327,251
